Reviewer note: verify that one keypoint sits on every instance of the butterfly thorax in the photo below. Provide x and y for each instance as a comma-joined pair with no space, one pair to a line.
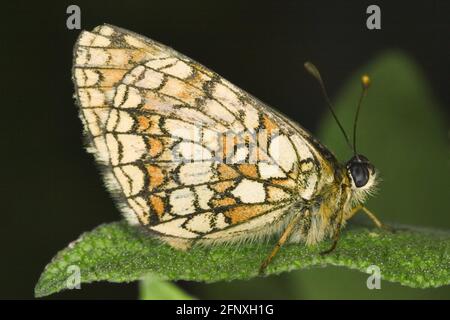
343,188
323,212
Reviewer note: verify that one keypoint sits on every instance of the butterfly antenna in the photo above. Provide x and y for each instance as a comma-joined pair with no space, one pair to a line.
316,74
365,81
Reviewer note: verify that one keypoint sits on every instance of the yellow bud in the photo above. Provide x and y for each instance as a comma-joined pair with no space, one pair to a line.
365,80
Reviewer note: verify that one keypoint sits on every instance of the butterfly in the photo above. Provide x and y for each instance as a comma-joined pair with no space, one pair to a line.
193,159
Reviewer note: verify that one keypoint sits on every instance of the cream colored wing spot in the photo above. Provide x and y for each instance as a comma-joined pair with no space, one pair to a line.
93,40
161,63
251,118
215,109
238,156
227,98
133,147
132,41
112,146
195,173
201,223
104,30
125,148
268,170
91,97
119,121
250,191
141,209
181,129
211,139
204,195
95,120
307,166
221,221
301,147
144,78
309,170
180,70
182,202
308,188
130,179
86,78
275,194
127,97
283,152
197,117
174,228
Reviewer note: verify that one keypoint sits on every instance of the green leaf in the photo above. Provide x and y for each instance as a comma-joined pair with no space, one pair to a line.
401,131
119,253
153,288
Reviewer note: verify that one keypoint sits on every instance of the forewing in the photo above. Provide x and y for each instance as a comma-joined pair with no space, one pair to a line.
186,153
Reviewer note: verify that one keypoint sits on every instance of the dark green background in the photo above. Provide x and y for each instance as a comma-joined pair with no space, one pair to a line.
51,190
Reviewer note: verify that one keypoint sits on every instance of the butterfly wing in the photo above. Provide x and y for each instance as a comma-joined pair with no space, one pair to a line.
186,153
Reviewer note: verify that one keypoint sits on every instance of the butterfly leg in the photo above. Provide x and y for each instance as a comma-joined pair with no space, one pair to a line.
284,237
336,236
371,216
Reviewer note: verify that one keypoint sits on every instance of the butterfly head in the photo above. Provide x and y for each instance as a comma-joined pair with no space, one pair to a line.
363,177
360,172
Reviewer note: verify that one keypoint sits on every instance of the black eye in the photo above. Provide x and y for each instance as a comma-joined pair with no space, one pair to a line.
360,174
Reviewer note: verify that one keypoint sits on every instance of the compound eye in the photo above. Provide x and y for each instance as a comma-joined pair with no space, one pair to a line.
360,174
